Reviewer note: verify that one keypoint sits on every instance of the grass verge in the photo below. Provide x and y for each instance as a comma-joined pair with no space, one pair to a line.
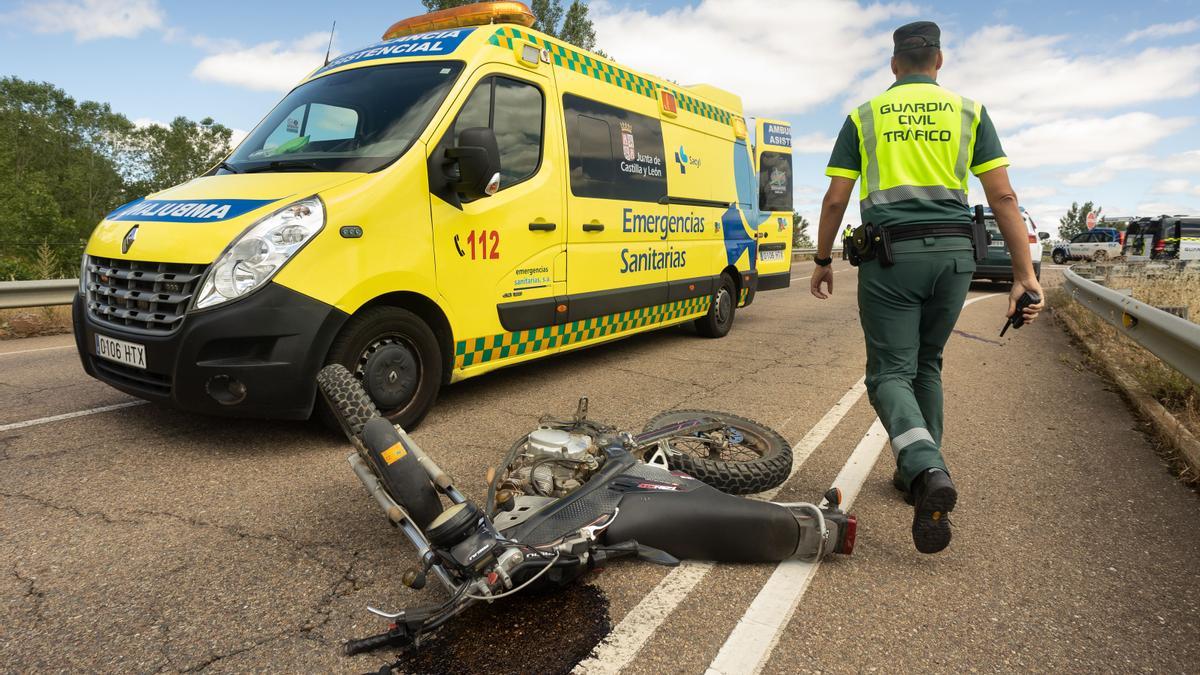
1143,372
34,322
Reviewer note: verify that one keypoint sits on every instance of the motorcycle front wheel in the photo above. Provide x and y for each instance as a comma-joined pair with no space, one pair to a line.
743,457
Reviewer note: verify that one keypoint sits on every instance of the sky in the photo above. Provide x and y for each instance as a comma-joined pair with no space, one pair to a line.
1093,100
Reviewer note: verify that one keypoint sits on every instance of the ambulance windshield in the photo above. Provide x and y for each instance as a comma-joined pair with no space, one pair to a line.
355,120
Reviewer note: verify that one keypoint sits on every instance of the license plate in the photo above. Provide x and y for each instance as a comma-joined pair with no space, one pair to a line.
120,351
770,256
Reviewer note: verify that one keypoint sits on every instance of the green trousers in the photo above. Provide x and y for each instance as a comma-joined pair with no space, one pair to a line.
907,313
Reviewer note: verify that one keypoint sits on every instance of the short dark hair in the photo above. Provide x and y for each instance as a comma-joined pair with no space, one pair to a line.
916,57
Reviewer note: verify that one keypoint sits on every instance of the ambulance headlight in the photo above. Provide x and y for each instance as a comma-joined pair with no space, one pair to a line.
261,251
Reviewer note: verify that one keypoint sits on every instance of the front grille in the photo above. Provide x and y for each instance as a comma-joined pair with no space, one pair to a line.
136,378
144,297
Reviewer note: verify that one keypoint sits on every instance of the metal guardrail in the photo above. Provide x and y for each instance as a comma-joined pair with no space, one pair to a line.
16,294
1174,340
803,252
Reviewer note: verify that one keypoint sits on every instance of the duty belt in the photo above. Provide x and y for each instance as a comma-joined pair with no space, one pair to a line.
870,242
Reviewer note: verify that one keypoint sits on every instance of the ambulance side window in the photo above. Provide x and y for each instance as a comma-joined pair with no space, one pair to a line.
614,153
514,110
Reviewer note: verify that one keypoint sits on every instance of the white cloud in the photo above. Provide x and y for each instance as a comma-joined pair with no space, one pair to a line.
1046,215
1171,186
1182,162
1161,30
93,19
1037,192
815,143
269,66
1167,208
1089,139
785,58
237,137
1089,177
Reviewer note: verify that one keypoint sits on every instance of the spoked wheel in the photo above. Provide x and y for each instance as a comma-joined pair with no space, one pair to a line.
742,457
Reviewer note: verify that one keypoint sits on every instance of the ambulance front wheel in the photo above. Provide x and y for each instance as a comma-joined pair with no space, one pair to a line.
396,357
721,309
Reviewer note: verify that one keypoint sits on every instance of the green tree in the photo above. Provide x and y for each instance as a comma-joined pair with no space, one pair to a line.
60,172
1075,221
800,238
173,154
572,25
64,164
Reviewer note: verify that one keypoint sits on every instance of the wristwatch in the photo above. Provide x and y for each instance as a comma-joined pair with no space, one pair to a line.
823,262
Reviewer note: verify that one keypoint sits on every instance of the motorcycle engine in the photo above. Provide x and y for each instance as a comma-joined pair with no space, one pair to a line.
553,463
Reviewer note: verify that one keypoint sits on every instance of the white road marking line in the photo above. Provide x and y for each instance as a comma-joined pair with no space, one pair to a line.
749,646
39,349
758,631
629,636
68,416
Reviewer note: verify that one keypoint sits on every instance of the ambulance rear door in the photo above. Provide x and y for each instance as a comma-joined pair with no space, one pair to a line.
773,160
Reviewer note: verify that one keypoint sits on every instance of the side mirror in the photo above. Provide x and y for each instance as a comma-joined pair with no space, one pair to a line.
477,160
1043,235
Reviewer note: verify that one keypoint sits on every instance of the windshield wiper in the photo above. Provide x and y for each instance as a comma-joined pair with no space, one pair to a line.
228,167
284,165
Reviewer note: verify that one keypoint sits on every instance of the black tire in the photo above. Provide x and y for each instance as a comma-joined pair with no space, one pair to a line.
1058,257
769,468
345,398
396,357
404,480
721,310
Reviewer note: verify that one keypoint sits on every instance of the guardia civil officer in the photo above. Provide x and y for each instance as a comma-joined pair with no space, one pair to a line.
912,146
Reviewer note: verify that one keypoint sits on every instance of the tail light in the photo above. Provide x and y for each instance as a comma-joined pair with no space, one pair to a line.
1032,238
851,531
1160,246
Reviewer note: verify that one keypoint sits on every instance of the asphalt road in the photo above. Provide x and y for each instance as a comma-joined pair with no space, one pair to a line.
144,539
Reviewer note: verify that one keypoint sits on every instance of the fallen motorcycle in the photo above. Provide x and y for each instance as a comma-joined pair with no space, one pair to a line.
570,496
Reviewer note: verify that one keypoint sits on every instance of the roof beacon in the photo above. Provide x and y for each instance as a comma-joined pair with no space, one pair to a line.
478,14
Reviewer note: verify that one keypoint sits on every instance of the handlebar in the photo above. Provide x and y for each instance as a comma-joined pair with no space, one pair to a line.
395,636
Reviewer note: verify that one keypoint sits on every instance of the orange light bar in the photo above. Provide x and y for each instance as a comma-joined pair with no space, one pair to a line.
478,14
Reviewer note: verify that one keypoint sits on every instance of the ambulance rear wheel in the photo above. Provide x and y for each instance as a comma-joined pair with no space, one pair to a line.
721,310
396,357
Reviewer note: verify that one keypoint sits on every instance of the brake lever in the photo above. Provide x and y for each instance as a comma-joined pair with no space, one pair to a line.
593,531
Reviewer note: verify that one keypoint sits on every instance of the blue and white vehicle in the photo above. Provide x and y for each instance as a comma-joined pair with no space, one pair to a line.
1101,243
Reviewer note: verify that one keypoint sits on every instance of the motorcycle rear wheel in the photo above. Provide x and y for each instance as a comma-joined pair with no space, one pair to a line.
760,460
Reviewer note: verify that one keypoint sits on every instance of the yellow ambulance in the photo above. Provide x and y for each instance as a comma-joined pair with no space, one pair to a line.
466,194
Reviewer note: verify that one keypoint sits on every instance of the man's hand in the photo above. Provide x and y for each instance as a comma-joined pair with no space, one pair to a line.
822,274
1018,289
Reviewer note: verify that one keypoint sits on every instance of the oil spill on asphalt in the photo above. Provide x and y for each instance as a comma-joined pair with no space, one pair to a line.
548,632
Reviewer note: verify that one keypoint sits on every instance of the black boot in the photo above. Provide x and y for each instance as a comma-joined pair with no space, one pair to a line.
934,498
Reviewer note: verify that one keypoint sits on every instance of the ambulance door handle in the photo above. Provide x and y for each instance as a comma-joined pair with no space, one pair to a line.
593,227
543,227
